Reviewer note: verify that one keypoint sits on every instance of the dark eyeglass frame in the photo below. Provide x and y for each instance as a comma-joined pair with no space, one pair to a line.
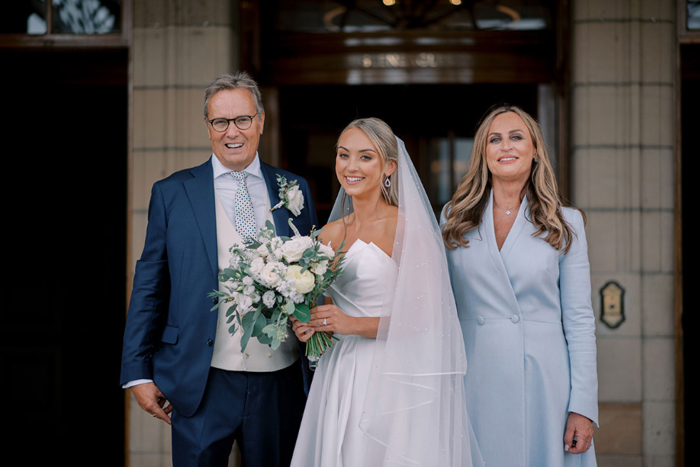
235,122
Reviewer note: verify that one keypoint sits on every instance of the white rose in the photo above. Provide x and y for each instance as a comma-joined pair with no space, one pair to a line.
320,268
326,250
256,265
294,248
295,200
262,250
270,274
303,282
269,299
247,280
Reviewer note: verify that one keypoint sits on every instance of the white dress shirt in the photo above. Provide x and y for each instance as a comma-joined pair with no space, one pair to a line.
226,187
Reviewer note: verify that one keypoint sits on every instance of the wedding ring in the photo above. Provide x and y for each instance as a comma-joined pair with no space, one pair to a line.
325,323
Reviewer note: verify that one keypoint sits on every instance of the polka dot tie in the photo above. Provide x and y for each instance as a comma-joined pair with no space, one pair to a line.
245,217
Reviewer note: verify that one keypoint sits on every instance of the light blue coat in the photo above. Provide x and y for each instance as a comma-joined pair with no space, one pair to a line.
529,332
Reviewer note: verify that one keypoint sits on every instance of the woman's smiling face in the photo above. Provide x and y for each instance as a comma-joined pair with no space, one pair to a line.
509,148
358,164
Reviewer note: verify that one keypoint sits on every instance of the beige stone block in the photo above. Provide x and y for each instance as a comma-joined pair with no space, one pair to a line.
632,302
658,178
614,240
604,115
150,57
658,118
599,48
620,431
659,430
658,297
599,178
618,461
658,57
619,369
658,10
148,166
203,54
660,461
151,115
659,368
657,241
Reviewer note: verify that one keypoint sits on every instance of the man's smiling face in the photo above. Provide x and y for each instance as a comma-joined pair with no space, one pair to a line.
235,148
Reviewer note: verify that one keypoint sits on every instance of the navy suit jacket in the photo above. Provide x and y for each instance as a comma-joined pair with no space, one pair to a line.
170,327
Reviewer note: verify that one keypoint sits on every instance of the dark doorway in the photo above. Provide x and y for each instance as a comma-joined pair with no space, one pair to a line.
65,131
690,164
437,123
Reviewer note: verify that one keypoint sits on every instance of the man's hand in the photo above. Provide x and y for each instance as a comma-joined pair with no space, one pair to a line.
582,428
152,401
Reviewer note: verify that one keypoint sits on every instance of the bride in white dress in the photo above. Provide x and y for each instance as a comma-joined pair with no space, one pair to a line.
391,389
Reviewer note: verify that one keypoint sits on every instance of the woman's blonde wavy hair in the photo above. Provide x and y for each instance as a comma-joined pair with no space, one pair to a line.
466,209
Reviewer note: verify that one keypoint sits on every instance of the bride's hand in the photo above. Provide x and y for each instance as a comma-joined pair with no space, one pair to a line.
302,330
330,318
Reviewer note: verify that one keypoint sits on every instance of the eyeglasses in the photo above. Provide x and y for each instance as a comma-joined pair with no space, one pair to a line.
242,122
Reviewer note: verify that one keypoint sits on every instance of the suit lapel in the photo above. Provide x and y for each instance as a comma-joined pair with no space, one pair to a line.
200,191
279,215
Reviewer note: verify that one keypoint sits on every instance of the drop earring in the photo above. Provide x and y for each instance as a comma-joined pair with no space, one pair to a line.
387,182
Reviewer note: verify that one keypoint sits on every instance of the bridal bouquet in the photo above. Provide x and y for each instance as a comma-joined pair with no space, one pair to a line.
273,278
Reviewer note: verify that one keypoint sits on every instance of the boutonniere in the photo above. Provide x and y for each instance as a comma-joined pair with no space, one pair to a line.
291,196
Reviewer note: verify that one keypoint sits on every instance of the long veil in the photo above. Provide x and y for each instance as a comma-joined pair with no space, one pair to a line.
415,405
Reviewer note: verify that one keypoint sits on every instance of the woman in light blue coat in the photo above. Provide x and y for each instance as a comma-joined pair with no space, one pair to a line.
519,268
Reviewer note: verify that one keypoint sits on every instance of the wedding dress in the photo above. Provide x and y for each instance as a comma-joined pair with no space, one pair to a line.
330,429
397,400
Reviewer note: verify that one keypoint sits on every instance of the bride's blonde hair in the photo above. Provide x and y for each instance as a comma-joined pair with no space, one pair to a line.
466,209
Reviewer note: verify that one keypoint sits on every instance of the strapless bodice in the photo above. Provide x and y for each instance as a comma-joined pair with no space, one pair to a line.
368,274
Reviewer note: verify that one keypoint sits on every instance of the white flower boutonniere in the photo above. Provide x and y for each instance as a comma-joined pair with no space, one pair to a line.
290,195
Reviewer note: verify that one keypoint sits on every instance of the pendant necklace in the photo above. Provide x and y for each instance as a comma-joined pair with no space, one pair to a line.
507,211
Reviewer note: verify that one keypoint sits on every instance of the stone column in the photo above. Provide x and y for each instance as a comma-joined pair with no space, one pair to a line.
179,46
623,122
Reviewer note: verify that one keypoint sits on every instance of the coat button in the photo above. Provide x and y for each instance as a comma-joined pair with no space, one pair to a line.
480,320
215,300
210,342
515,318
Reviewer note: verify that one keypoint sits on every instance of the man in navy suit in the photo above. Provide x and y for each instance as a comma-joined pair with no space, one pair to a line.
178,358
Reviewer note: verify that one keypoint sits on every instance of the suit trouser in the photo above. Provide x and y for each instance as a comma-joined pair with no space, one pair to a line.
261,411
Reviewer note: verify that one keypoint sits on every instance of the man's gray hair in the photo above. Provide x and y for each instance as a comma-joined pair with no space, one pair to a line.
239,79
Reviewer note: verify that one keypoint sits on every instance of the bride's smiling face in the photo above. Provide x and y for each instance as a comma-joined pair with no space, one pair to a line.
358,164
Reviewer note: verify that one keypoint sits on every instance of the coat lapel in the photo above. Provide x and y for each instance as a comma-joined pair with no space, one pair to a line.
515,230
281,214
497,256
200,191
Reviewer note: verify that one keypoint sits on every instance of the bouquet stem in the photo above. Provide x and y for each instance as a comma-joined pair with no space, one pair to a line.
317,345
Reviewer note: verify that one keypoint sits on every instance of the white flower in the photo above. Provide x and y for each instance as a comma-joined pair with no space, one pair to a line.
269,298
303,282
256,265
247,280
270,273
262,250
244,301
320,268
249,290
294,248
295,199
234,261
326,250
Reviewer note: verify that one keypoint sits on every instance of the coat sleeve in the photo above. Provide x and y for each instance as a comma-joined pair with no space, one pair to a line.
149,297
579,321
308,200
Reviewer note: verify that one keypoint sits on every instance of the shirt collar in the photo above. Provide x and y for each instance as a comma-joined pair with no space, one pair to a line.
220,169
